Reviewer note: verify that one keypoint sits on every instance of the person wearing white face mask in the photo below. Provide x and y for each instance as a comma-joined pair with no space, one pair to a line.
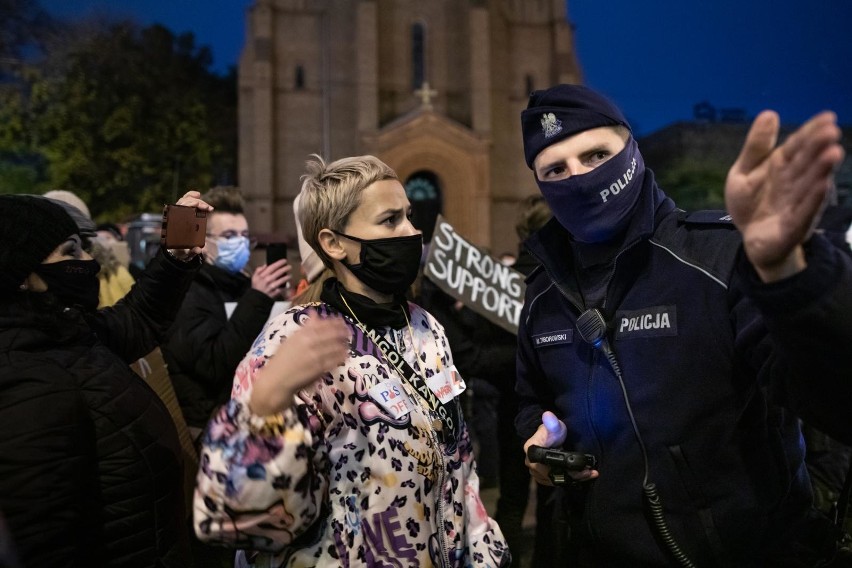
230,250
205,344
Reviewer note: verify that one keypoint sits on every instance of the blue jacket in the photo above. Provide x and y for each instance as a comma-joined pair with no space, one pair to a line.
714,365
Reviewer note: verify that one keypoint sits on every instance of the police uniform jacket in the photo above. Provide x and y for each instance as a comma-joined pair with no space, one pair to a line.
714,365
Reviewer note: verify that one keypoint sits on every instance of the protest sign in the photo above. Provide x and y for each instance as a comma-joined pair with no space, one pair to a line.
467,273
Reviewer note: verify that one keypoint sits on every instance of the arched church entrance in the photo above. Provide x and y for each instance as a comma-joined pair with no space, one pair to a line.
423,189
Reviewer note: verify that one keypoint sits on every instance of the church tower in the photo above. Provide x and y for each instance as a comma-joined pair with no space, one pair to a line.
433,88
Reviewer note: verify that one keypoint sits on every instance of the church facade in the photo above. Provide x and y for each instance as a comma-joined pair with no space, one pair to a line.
432,87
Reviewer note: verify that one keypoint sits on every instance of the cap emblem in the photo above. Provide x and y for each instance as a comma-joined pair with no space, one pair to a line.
550,125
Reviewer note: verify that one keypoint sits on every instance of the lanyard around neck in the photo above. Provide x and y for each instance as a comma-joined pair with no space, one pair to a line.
449,417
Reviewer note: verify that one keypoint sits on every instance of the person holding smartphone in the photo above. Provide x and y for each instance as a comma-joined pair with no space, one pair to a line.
206,341
90,462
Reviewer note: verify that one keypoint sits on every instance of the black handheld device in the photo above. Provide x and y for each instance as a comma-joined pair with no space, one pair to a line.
561,462
569,461
275,251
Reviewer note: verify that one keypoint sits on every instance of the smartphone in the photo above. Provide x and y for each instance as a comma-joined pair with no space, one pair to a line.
183,227
275,251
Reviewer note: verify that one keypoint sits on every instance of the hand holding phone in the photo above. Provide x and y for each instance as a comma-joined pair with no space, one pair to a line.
273,281
275,252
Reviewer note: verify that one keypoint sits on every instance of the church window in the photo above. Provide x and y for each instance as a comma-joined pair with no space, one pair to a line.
418,55
529,84
300,77
423,189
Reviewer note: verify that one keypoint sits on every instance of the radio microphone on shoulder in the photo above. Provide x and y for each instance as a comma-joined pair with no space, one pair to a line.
591,326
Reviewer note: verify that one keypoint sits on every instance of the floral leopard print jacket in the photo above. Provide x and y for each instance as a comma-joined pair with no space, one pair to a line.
336,480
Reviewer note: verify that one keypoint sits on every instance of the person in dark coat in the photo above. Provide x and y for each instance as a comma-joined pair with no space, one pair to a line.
829,461
90,464
206,343
681,349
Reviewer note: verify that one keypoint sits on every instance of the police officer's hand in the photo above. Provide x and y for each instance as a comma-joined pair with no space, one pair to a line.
551,434
775,194
319,346
272,279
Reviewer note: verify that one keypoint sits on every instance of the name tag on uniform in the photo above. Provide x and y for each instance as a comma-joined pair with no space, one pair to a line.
391,396
555,337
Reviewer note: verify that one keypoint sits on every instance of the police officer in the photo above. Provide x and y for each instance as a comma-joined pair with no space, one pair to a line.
676,347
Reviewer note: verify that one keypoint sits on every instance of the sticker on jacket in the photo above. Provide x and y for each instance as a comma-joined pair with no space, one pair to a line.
447,384
456,380
655,321
558,337
391,396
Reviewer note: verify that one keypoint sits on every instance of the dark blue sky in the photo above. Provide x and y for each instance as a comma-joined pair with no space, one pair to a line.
655,58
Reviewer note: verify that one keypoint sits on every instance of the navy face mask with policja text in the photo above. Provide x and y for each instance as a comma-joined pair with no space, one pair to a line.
596,207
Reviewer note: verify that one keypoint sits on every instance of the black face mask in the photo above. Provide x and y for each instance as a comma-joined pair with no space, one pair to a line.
388,265
74,282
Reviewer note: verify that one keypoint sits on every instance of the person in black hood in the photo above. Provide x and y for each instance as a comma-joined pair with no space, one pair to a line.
206,342
90,465
678,348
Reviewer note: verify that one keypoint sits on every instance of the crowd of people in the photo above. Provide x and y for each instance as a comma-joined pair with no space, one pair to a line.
655,391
